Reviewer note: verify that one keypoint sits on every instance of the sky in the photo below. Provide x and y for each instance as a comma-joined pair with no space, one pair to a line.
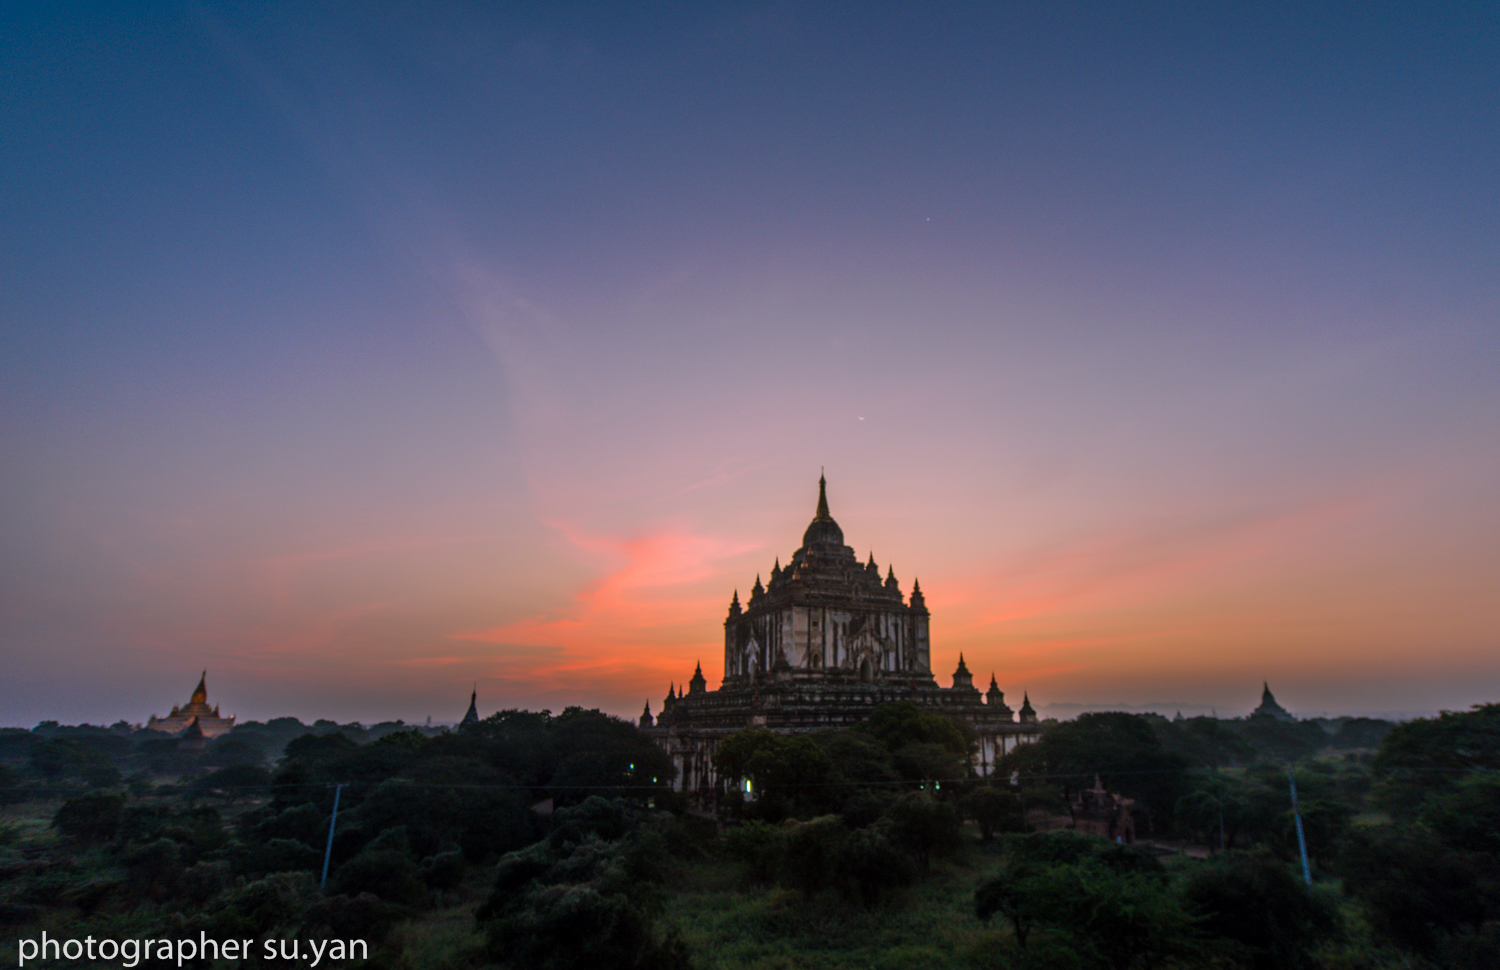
365,355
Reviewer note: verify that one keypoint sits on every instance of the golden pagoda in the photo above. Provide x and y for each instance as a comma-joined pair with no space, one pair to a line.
209,721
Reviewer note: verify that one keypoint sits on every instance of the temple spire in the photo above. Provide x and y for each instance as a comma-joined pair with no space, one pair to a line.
471,716
823,498
200,693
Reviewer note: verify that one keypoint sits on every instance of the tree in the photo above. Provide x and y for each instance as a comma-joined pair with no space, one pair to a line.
10,786
228,750
901,723
155,869
57,759
315,748
872,864
1468,815
993,809
1429,756
858,758
387,873
1324,824
783,771
1253,806
235,781
760,846
1417,890
577,927
813,853
91,818
1123,750
1266,912
277,855
604,752
924,827
1205,742
1012,894
1361,732
926,762
585,904
1281,740
1112,917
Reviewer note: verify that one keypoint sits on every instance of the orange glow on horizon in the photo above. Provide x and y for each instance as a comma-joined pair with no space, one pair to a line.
630,625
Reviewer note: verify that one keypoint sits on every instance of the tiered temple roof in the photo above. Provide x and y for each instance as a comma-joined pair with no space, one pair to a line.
197,708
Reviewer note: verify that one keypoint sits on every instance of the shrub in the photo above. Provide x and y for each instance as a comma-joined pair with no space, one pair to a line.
1416,890
1113,918
156,869
388,874
442,871
91,818
1268,913
279,855
575,927
924,827
813,851
872,865
993,810
759,846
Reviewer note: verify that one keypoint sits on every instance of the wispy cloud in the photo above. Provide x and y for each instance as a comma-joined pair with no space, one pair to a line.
647,608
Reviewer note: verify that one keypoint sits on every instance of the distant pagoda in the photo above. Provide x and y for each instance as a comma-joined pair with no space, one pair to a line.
181,718
1268,706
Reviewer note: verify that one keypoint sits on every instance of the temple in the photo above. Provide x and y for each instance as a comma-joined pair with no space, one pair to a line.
195,710
1268,706
818,646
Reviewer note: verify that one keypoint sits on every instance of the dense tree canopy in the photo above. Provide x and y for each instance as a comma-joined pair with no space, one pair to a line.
1122,750
859,819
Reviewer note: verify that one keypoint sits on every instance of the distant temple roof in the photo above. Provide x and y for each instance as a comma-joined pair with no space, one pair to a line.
197,710
472,716
1268,706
